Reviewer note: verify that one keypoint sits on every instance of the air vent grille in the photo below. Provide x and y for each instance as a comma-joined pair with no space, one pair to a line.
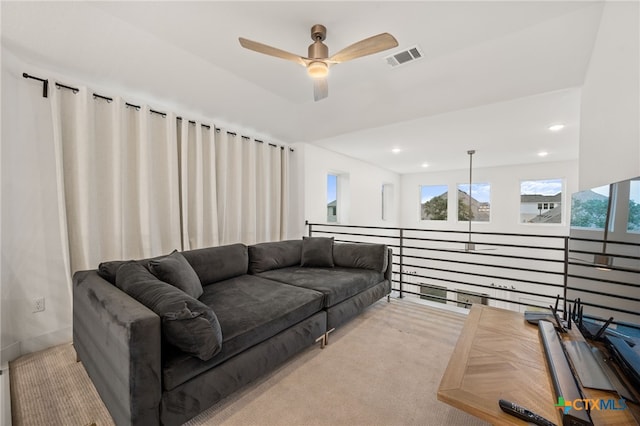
406,56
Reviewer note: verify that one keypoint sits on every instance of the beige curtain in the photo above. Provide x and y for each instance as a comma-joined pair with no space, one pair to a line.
137,184
252,192
120,178
198,185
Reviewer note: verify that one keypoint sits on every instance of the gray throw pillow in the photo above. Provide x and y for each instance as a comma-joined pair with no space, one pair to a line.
187,323
317,251
175,270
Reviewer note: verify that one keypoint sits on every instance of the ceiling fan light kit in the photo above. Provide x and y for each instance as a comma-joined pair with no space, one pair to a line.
318,60
318,69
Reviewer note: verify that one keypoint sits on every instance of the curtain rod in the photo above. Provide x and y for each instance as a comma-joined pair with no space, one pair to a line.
45,84
75,90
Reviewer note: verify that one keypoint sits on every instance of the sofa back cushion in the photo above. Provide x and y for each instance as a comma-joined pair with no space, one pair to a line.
187,323
317,252
176,270
365,256
275,255
215,264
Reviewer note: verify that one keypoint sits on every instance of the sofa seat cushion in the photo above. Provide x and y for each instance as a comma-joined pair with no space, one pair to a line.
250,309
336,284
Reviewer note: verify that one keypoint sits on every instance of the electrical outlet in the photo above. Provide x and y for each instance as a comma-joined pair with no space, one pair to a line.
38,305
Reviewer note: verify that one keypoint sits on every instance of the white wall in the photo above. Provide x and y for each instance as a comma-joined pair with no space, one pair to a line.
32,263
610,108
362,201
505,196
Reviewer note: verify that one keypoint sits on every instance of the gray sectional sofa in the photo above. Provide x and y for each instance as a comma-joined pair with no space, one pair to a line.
165,338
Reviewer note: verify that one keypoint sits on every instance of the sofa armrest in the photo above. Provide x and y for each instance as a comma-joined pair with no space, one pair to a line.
118,341
388,271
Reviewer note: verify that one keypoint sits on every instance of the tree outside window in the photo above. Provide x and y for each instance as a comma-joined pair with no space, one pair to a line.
589,208
480,201
433,202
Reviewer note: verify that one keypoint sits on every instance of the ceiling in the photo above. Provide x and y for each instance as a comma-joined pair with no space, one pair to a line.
494,75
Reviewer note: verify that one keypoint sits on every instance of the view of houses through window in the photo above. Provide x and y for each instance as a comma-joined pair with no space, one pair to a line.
541,201
433,202
332,198
480,201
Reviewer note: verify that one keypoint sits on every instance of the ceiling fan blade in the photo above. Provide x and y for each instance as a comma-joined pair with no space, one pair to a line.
365,47
320,89
271,51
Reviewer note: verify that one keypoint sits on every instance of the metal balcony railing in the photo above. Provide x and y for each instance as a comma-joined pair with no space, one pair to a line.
507,270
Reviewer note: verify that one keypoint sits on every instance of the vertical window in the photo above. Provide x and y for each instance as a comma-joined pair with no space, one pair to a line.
332,198
541,201
589,208
633,223
476,207
433,202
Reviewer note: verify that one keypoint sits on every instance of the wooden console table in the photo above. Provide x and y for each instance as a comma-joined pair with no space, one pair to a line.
500,356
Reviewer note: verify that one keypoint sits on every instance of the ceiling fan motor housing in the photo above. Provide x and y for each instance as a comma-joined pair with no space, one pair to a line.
318,50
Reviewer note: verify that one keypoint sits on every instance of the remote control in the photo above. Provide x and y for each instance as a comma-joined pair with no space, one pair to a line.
524,414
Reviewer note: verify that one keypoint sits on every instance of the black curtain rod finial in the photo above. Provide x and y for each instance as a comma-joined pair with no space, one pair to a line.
45,84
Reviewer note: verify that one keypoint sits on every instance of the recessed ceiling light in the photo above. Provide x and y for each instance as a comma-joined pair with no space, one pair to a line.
424,165
556,127
543,154
396,150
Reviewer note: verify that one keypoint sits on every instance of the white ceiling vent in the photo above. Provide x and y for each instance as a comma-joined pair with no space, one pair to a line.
406,56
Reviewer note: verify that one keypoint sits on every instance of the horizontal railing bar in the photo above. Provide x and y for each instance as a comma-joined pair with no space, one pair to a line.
476,253
515,268
482,275
602,280
622,243
483,244
595,305
490,298
315,231
511,290
601,293
621,256
447,280
451,231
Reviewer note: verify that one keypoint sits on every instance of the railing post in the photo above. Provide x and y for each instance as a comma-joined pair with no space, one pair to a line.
566,269
401,261
310,226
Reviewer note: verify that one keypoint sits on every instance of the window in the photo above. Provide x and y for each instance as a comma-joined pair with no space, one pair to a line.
633,223
433,202
589,208
476,207
332,198
541,201
387,201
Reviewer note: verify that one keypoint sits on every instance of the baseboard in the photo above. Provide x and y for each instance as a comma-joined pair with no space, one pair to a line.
44,341
5,396
10,353
35,344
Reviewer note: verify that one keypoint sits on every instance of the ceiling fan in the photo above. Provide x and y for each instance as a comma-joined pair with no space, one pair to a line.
318,61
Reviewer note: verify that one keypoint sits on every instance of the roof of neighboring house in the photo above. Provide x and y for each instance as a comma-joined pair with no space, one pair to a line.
538,198
333,203
550,216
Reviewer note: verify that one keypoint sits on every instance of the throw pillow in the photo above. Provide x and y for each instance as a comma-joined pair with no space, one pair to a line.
317,251
175,270
187,323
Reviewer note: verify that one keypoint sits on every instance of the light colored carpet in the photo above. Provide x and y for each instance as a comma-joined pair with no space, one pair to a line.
382,368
